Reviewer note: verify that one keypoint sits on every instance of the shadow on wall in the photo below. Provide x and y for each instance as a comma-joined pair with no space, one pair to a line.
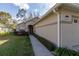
50,46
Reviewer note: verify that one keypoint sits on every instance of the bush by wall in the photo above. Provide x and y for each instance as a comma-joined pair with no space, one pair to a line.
57,51
66,52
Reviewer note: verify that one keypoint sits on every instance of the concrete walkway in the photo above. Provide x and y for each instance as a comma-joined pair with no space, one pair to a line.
38,48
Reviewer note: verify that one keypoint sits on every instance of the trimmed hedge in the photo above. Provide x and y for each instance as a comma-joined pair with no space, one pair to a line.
66,52
50,46
4,33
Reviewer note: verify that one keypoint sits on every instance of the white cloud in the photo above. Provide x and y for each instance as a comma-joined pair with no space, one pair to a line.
22,5
36,10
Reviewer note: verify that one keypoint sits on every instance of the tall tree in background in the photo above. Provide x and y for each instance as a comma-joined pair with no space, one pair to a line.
24,15
21,13
4,17
30,16
6,20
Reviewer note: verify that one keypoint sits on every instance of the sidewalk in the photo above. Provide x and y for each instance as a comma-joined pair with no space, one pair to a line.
38,48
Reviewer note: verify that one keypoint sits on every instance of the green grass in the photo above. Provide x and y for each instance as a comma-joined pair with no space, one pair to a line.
12,45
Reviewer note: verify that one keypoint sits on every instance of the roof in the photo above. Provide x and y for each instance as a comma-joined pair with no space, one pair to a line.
32,19
49,11
74,6
29,20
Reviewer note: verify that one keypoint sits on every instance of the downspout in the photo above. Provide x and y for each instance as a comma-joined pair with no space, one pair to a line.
58,28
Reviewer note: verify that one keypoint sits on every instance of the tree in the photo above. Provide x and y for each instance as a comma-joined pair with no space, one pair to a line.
13,25
4,17
21,13
30,15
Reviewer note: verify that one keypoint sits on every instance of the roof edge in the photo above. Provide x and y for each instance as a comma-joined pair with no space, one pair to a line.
49,11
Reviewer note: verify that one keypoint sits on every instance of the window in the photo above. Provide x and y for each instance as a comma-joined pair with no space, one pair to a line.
66,16
75,20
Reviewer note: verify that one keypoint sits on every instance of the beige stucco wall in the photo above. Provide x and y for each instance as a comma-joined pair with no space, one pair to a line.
47,28
69,31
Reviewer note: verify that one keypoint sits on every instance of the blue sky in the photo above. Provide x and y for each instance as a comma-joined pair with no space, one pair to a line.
13,8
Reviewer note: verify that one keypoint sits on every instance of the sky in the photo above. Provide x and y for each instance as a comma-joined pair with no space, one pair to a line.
13,8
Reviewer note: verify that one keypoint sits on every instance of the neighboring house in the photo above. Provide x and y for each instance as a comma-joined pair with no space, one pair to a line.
6,27
31,22
60,25
3,28
24,25
20,26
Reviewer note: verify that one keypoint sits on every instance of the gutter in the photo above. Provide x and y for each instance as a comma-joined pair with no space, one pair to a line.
58,28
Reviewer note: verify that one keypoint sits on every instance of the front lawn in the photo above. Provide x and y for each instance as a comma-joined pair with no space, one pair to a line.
11,45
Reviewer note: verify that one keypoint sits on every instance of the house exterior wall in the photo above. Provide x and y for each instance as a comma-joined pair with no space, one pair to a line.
69,29
26,25
30,22
20,26
17,28
47,28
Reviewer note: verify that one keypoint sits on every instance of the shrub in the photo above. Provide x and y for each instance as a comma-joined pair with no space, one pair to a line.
65,52
50,46
4,33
